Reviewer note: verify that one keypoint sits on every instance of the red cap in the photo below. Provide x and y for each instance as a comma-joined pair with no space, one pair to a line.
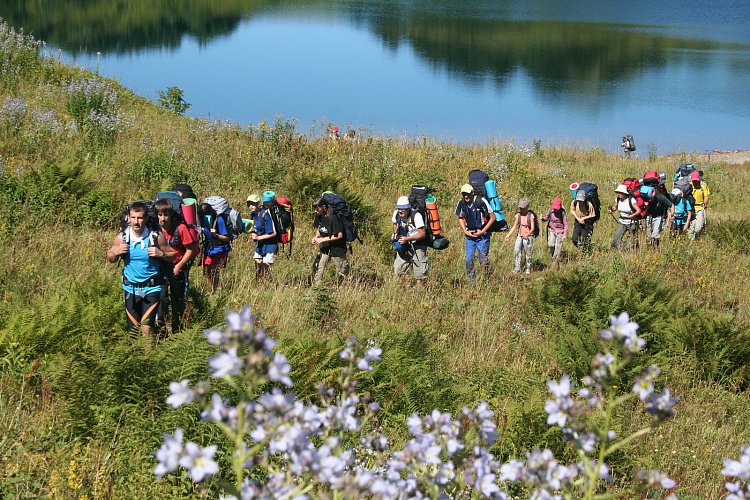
556,204
335,129
695,176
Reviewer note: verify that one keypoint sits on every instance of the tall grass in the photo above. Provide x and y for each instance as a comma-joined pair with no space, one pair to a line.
78,389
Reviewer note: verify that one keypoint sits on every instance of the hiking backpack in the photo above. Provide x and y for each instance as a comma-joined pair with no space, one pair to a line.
684,171
686,186
631,142
339,207
232,217
591,191
418,201
477,178
282,215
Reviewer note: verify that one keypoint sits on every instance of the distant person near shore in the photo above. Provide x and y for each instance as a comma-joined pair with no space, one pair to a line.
628,144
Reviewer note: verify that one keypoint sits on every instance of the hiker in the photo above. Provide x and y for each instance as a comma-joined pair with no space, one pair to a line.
179,237
583,229
557,227
701,194
627,145
216,245
475,216
329,235
630,212
680,214
335,136
264,236
142,281
525,223
656,213
410,240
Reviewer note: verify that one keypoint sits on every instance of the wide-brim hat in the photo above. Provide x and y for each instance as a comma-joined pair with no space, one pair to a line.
403,203
622,189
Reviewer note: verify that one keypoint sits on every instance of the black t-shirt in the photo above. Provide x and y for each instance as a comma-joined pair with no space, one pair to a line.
331,226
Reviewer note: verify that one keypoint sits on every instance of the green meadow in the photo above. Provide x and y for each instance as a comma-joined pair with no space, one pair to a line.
82,402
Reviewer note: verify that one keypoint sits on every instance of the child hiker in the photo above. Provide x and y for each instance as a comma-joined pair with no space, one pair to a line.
525,223
558,228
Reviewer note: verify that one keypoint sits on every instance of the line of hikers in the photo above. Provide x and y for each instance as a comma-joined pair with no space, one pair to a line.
160,240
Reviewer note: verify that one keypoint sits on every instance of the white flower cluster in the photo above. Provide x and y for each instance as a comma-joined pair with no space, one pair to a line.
740,471
304,447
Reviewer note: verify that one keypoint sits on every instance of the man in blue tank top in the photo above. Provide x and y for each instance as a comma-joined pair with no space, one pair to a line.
142,280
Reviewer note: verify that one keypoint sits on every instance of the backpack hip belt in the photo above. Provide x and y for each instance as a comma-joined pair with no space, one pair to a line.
155,280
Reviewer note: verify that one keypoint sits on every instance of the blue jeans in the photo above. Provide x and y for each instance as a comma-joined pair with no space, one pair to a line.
481,246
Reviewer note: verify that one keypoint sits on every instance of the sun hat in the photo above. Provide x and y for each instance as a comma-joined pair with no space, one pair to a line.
580,196
467,189
403,203
557,204
695,176
254,199
622,189
523,203
676,192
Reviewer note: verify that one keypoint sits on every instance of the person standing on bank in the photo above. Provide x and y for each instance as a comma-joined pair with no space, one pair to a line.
410,239
525,223
475,216
142,280
332,243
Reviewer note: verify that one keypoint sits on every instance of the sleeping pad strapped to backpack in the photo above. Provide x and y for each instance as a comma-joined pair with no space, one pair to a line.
418,199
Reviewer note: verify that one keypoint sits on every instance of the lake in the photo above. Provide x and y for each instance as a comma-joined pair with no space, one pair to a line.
675,75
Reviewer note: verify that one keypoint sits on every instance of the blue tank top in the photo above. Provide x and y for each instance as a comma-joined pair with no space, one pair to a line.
139,267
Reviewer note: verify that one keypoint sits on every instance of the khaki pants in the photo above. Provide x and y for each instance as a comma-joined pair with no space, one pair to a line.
340,263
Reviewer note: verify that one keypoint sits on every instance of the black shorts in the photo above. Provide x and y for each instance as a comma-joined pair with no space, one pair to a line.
141,310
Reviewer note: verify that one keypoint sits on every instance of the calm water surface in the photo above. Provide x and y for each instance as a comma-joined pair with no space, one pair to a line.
673,74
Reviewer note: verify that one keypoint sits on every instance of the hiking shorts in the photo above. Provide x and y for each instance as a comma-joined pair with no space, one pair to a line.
268,258
418,262
141,310
217,261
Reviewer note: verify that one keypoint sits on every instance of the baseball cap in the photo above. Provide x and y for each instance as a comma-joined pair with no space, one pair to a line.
580,196
523,203
676,192
467,189
253,198
556,204
695,176
403,203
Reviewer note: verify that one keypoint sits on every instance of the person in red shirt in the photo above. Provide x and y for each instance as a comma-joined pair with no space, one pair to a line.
185,243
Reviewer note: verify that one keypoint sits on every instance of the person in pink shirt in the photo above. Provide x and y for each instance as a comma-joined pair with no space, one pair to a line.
558,228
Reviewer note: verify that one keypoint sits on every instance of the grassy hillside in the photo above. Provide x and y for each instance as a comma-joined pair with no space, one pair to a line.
82,404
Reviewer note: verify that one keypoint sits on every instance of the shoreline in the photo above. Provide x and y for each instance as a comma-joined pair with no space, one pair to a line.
736,157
